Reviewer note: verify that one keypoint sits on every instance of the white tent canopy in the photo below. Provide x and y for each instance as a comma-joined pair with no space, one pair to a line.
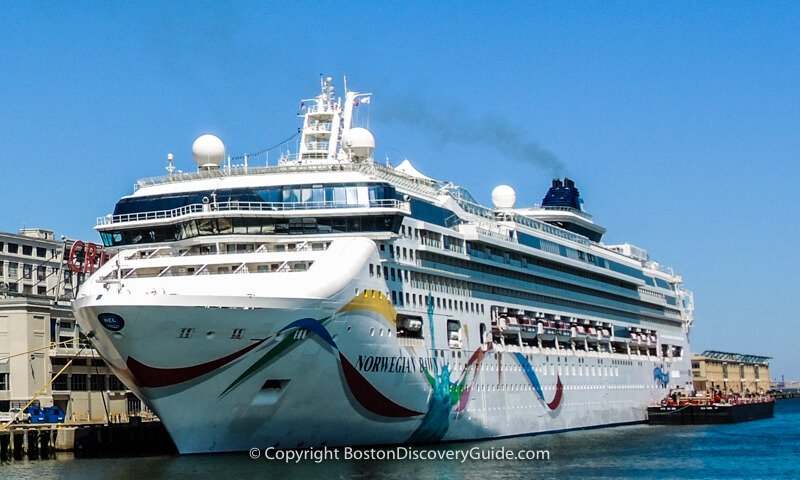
408,169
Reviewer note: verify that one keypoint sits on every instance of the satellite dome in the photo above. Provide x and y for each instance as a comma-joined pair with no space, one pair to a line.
504,197
359,143
208,151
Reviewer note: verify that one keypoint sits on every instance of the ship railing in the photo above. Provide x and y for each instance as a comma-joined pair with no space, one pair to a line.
238,206
325,108
146,253
580,213
317,145
455,248
321,127
497,235
431,242
485,212
421,185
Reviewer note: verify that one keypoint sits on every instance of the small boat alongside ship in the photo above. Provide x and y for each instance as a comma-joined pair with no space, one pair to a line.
704,411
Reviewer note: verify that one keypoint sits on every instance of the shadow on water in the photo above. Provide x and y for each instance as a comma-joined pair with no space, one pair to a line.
760,449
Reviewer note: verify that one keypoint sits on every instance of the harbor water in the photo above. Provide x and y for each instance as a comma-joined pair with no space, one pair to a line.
760,449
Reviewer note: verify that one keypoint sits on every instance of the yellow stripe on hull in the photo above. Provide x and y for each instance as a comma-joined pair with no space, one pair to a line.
373,301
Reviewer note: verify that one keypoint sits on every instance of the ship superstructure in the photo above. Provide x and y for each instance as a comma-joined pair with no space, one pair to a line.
332,300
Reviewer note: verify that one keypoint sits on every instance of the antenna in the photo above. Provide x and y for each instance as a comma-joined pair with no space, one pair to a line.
170,163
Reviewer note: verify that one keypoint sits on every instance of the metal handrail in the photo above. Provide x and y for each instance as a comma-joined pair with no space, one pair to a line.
238,206
565,209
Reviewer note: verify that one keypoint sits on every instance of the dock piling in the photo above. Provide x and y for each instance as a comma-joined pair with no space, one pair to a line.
19,440
5,441
33,444
44,444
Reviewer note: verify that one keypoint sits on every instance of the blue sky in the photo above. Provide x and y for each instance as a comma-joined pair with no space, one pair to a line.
679,121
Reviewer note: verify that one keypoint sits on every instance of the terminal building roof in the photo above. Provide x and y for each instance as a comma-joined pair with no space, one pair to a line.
734,357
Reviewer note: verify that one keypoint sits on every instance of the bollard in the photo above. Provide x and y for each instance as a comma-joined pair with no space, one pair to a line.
33,444
44,444
19,439
5,441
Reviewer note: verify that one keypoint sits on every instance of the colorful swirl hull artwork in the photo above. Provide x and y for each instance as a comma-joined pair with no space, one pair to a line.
445,396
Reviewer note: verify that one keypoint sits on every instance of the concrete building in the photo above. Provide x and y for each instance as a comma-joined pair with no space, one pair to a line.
730,371
30,263
39,336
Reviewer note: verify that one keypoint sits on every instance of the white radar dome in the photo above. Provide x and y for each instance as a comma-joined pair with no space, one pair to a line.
208,151
359,143
504,196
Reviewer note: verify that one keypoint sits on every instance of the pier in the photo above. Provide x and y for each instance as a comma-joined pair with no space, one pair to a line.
40,442
781,394
32,443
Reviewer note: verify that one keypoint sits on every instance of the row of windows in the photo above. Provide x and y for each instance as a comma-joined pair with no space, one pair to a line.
407,299
81,382
503,275
252,226
533,262
523,261
335,195
26,272
410,300
77,362
437,283
439,216
188,270
428,237
14,248
512,387
533,298
13,287
398,252
341,194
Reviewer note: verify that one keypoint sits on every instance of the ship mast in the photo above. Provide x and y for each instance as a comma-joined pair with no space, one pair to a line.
326,120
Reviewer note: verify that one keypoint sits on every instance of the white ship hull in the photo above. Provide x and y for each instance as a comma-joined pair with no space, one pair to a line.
297,387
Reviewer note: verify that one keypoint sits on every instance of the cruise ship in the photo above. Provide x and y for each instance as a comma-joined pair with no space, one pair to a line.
333,300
